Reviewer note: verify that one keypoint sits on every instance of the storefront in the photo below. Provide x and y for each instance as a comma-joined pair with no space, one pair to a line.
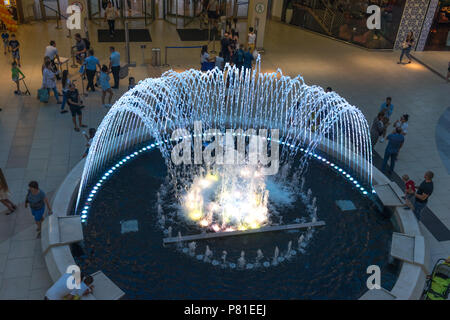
439,36
346,20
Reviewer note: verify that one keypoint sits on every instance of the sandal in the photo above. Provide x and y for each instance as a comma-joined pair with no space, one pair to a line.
83,126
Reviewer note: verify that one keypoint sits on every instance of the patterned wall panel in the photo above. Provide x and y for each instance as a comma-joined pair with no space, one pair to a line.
427,25
412,20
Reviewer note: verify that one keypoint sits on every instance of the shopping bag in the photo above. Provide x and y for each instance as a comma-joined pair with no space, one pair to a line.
43,95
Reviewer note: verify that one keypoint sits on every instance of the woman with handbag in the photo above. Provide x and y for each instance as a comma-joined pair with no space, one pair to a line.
49,80
406,47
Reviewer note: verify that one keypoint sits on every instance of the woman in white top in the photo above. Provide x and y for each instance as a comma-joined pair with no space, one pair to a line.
49,80
110,16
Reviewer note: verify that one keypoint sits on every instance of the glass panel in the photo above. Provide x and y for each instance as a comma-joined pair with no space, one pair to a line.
346,20
439,37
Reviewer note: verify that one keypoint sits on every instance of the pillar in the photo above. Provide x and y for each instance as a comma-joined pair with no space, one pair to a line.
415,13
257,17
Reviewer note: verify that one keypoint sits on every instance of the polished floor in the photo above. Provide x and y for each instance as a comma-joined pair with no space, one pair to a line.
39,143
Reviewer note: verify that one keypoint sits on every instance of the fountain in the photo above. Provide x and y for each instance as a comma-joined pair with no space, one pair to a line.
187,124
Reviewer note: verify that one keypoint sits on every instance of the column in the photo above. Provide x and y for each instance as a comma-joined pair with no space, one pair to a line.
257,16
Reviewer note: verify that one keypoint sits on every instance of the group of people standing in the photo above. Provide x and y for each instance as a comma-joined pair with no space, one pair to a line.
233,52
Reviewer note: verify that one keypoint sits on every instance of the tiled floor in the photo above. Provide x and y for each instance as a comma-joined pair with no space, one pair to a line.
38,143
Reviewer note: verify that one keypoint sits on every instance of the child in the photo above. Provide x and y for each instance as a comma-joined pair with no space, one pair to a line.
14,45
103,79
15,74
5,38
251,39
131,83
89,139
410,190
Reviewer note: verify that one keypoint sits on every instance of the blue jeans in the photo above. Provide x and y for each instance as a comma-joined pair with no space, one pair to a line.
418,208
407,52
389,154
64,100
55,92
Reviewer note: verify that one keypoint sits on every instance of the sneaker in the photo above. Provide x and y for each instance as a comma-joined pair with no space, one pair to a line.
64,111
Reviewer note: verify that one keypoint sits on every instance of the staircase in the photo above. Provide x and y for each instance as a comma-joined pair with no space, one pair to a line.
324,15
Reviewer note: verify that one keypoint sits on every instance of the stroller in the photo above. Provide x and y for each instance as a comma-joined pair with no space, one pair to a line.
438,283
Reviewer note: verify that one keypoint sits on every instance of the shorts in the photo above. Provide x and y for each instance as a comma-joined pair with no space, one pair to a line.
38,214
15,79
16,55
75,110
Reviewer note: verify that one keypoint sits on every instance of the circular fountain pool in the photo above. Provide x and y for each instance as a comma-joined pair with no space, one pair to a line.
329,263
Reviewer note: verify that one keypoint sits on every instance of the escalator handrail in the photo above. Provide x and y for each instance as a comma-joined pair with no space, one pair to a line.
45,6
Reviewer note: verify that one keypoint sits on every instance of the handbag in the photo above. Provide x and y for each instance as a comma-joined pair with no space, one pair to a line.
43,95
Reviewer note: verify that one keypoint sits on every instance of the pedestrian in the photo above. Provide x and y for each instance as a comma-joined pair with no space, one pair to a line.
407,46
220,62
395,143
204,59
91,63
49,80
248,59
81,49
37,200
251,39
402,123
225,44
377,129
423,194
52,52
65,83
110,16
15,75
386,107
15,45
131,83
75,104
410,190
106,87
213,14
4,195
114,66
5,38
89,139
328,90
239,58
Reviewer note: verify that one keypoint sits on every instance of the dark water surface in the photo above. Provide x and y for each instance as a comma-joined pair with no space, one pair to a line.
333,267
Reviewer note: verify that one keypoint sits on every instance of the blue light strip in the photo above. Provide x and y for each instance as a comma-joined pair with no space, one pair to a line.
109,172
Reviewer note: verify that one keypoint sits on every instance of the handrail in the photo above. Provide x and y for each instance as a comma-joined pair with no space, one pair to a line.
59,13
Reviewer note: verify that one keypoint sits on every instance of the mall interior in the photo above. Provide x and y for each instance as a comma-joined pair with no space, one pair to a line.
327,42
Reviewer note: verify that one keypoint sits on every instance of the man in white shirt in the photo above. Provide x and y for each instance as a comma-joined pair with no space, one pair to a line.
52,52
251,39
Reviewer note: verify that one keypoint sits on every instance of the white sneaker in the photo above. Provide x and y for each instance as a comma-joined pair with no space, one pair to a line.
381,139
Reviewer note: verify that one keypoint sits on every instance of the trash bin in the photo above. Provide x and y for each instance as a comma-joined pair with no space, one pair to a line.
156,57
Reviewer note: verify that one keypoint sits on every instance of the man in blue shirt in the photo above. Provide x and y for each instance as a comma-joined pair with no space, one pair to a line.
387,107
395,143
248,59
114,66
91,63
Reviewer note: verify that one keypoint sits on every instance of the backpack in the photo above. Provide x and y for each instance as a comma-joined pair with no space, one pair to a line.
87,43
